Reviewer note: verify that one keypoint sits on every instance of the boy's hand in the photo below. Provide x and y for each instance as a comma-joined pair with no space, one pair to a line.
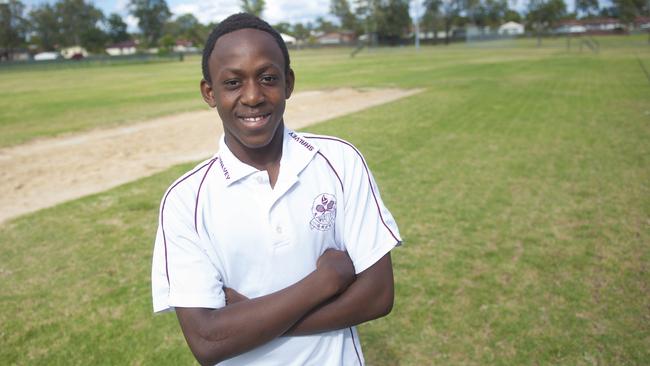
232,296
337,267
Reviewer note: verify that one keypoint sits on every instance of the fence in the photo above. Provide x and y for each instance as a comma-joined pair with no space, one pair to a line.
91,61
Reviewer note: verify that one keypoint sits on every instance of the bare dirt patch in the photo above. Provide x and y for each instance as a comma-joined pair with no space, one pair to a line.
46,172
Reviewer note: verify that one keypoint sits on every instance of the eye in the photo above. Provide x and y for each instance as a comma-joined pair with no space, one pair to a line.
269,79
320,208
231,83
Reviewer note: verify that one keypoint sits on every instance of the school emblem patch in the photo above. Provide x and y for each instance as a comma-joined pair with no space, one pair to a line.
323,212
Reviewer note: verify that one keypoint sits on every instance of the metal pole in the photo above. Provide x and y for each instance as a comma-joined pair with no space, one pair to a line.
417,25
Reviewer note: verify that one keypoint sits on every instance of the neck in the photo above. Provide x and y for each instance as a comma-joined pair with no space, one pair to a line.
263,158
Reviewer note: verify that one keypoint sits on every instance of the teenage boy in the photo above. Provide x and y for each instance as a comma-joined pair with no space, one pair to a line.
275,248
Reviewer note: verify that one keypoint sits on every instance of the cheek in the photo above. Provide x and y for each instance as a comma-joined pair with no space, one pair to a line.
225,102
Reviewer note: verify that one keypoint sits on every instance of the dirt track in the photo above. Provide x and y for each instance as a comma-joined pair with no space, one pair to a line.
50,171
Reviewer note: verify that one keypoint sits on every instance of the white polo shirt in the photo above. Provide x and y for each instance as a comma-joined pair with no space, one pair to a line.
221,224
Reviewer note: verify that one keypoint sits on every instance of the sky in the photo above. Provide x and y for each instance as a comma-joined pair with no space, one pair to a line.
291,11
276,11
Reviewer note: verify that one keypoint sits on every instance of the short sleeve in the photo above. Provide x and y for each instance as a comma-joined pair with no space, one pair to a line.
370,231
182,273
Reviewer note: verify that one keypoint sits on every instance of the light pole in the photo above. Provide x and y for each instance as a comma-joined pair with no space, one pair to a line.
417,25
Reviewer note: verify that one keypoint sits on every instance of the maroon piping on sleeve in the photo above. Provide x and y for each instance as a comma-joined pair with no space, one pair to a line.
162,211
355,347
198,192
334,170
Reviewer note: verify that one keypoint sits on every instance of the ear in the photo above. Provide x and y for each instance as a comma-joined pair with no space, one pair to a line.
208,93
290,81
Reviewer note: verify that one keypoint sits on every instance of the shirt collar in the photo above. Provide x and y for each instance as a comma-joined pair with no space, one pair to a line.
297,152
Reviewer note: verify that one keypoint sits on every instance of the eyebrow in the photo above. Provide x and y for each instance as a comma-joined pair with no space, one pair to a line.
263,67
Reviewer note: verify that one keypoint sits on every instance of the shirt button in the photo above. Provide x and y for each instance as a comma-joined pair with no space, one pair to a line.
260,180
278,229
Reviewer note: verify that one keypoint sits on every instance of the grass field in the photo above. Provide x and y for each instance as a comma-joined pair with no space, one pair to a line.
519,178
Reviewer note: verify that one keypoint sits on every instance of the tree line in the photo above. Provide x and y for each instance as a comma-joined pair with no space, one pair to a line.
48,27
65,23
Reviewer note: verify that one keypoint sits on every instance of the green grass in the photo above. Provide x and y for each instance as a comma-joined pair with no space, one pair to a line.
41,103
48,102
519,179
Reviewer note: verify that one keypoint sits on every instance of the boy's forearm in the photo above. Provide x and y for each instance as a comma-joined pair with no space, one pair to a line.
218,334
369,297
215,335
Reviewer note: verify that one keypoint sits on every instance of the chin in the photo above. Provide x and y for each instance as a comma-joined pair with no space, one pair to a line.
257,140
256,143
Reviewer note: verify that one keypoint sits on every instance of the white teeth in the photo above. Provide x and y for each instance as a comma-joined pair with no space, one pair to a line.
253,119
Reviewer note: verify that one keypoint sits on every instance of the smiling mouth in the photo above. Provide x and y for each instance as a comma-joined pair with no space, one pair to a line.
254,120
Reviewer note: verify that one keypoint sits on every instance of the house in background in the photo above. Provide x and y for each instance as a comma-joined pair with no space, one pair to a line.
122,48
336,38
570,26
47,56
642,23
603,25
511,29
184,46
15,54
591,26
74,52
288,40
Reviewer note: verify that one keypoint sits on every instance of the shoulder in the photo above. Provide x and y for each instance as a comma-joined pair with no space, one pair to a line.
182,193
334,146
342,157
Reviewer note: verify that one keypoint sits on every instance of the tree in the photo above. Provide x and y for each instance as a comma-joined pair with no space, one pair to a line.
324,25
45,26
441,13
496,11
167,43
12,27
432,19
117,29
393,20
485,12
255,7
94,40
608,12
301,32
542,14
366,13
587,6
185,27
77,19
341,10
187,23
152,15
628,10
283,27
512,16
67,23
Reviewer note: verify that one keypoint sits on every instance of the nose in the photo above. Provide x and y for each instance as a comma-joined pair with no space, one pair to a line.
252,94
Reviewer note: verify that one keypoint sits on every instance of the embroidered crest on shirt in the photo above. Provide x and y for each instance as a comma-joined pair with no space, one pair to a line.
323,211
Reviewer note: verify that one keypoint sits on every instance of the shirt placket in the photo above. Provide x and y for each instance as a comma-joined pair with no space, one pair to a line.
276,212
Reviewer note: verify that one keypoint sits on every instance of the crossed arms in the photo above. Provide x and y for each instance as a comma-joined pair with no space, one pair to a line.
329,298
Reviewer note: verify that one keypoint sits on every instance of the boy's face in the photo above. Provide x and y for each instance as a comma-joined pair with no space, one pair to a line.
249,87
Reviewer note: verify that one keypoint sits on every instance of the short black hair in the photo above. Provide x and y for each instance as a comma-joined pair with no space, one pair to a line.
236,22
